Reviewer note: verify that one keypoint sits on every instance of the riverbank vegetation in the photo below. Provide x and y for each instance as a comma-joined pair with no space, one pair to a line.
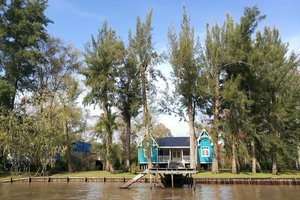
241,83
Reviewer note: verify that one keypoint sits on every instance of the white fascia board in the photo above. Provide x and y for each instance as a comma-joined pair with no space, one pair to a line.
174,147
154,140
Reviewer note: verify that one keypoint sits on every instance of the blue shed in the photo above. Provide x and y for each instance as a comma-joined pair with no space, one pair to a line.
205,149
142,157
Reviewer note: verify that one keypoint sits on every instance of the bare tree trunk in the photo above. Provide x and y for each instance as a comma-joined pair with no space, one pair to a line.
108,144
13,97
191,122
298,160
109,133
215,163
127,146
68,152
107,166
253,157
146,117
274,163
258,166
233,147
109,161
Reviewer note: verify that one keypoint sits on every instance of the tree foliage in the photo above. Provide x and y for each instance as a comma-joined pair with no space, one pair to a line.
184,58
128,96
247,82
145,57
22,28
46,122
160,130
103,55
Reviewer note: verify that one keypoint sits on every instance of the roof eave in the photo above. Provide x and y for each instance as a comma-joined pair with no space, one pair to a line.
174,147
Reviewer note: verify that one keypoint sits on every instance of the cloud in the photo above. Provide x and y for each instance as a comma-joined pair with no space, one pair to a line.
62,6
178,128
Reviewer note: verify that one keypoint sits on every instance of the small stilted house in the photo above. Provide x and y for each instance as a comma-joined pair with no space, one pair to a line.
174,152
204,150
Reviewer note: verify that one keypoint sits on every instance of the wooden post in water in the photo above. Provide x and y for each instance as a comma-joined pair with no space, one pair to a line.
155,178
194,187
150,181
172,180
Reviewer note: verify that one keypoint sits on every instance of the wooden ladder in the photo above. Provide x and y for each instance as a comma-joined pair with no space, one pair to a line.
136,178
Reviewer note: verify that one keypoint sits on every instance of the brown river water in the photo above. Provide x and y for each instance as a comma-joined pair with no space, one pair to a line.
60,191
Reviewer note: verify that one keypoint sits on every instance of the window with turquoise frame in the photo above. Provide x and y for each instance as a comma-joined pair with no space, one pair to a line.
205,152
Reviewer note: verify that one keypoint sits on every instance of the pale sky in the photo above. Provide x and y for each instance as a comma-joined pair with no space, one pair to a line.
76,20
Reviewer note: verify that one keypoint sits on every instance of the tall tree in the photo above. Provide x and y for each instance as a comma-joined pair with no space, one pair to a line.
40,120
145,58
242,68
227,73
128,96
57,90
273,69
235,121
70,116
214,65
291,121
22,28
102,56
184,55
237,88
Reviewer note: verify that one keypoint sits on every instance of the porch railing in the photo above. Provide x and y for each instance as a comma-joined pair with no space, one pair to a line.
186,158
163,158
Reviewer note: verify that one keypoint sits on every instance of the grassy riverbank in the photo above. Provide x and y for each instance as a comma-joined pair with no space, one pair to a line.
207,174
96,174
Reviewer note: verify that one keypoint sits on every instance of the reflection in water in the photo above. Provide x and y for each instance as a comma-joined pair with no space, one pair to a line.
142,191
216,192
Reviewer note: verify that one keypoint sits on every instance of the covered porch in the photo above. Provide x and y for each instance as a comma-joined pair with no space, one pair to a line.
174,157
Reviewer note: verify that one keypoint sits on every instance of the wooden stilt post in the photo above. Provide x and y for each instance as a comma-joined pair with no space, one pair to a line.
150,181
194,187
172,180
155,179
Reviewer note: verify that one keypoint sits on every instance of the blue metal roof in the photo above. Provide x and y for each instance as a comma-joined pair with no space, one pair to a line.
173,142
81,147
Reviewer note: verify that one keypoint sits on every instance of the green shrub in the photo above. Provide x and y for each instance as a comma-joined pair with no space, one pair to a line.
134,168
